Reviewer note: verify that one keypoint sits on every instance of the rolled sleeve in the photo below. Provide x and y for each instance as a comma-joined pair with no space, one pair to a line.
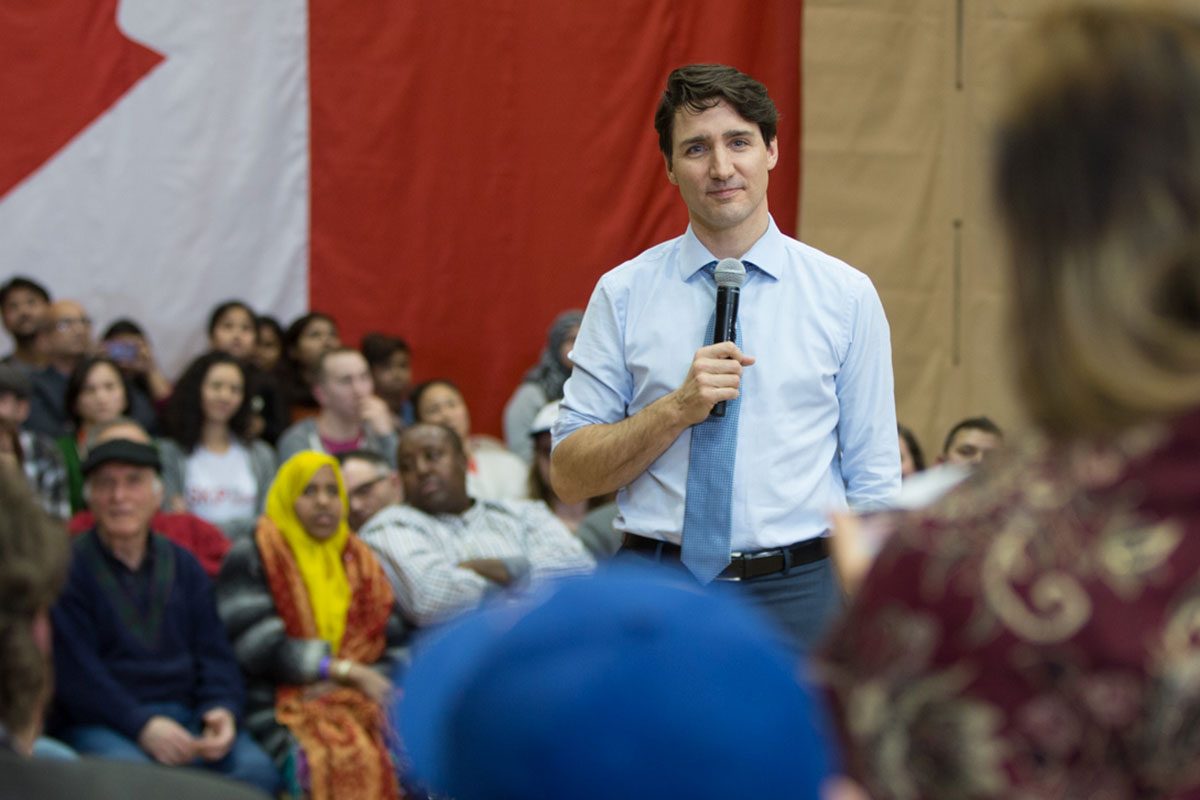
600,387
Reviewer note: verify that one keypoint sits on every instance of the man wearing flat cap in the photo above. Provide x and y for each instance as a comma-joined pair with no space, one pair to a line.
144,670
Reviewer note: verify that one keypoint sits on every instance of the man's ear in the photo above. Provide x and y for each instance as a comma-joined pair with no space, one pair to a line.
670,171
772,153
318,392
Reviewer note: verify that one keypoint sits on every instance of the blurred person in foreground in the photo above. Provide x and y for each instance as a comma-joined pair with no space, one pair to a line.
630,684
318,635
1032,634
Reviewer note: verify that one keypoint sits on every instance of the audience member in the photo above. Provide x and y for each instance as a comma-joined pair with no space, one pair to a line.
542,384
391,369
202,539
591,519
68,340
971,441
23,306
96,393
41,459
144,669
306,340
34,559
493,473
315,627
445,551
1032,634
372,484
232,329
352,417
125,342
912,458
268,353
625,685
211,466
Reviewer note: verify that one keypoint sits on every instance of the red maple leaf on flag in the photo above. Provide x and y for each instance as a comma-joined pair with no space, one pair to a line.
63,63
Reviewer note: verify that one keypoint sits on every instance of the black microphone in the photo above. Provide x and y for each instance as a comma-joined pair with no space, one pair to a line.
730,275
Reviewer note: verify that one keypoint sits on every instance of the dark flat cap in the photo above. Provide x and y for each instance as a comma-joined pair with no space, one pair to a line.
122,451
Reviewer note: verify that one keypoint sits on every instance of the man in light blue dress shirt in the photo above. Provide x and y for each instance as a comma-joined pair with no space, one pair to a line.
817,430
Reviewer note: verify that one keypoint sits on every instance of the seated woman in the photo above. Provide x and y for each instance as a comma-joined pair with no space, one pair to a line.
493,473
125,342
306,340
1034,632
233,329
542,384
317,632
591,519
96,393
211,466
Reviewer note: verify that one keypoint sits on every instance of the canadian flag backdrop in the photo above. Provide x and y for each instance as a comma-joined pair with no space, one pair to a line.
455,173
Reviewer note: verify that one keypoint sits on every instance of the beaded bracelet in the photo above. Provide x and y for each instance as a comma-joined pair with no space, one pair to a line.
341,669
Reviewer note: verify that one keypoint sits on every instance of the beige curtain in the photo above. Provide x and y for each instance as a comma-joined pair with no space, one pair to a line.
899,98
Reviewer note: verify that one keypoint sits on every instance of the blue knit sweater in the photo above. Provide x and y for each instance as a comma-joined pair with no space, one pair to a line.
114,655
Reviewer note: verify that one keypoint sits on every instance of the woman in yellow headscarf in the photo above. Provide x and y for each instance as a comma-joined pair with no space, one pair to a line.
317,632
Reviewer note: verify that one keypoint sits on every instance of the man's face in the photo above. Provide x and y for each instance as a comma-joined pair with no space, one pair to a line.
371,488
344,385
393,378
13,410
970,446
23,312
70,330
124,498
720,163
433,471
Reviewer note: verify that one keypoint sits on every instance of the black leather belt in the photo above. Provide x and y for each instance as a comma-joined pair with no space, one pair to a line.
742,566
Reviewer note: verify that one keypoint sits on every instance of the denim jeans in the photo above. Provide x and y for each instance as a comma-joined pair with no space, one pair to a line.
245,761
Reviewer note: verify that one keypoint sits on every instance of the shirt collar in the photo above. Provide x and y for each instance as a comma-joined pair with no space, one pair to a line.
767,254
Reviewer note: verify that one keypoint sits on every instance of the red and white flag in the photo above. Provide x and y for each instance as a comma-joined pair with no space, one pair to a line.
455,173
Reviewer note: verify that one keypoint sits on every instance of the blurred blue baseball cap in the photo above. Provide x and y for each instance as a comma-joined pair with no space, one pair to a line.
626,684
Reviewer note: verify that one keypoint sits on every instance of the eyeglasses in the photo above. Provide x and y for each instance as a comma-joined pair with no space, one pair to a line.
364,489
66,323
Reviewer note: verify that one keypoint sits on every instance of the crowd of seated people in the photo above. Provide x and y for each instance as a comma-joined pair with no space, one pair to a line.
1030,633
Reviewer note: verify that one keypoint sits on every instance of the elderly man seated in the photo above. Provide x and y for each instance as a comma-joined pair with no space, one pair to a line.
445,551
144,670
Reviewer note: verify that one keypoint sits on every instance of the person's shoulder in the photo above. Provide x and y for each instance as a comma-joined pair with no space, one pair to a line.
823,264
386,520
297,431
652,258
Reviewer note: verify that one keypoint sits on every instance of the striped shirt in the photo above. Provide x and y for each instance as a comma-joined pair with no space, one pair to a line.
421,553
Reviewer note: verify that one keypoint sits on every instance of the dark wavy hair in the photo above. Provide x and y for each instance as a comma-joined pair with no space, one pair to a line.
184,416
697,87
419,391
79,376
221,309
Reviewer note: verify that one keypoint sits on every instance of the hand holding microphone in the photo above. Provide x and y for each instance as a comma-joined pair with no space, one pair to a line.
715,374
730,274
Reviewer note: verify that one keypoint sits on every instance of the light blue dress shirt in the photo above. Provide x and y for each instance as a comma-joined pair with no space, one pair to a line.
818,417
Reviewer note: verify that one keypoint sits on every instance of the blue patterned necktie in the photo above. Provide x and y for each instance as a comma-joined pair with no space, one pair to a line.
707,511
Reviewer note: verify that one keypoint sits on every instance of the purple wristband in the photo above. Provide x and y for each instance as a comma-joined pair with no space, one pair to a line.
323,668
